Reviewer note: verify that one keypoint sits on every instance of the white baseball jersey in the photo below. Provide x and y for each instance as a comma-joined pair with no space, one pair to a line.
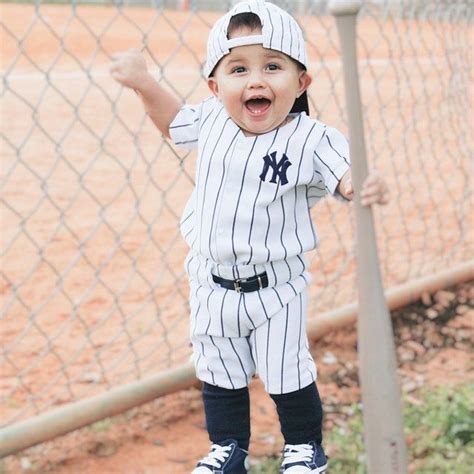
248,214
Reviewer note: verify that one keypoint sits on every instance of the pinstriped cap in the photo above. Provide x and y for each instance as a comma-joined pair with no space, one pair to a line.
280,32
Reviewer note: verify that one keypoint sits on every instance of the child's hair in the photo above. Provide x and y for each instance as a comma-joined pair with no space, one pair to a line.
243,20
252,22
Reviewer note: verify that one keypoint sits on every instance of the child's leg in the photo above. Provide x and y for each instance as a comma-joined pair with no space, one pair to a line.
227,414
287,369
281,352
225,366
301,415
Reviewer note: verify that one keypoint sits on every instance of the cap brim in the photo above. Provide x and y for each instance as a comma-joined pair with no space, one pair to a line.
301,104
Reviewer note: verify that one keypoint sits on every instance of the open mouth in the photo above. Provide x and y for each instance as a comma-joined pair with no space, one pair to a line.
258,106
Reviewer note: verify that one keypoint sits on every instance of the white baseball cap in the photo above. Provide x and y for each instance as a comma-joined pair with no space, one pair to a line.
280,32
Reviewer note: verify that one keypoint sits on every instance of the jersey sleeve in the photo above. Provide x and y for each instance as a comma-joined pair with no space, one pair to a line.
331,159
184,129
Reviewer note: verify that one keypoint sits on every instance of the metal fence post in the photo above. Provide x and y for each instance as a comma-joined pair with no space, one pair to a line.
383,426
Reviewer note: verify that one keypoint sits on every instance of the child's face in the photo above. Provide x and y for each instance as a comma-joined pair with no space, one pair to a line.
257,86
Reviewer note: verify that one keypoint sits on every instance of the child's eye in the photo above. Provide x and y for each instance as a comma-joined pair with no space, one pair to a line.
238,70
273,67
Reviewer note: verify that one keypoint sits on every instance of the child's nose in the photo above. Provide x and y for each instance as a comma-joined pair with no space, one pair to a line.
255,81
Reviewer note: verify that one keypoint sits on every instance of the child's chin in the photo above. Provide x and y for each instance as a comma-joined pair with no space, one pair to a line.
256,131
257,128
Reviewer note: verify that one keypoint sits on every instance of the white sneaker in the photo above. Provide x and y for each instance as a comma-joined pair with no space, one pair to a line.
303,459
224,458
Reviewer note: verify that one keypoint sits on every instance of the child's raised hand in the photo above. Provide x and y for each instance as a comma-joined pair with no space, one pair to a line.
129,68
374,190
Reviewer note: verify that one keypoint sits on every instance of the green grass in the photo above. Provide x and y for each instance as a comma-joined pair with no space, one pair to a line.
439,430
101,425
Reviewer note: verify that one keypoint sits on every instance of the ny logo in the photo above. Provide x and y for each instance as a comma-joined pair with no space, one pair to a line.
279,169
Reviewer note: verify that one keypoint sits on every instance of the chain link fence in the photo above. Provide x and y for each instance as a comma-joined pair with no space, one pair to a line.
92,287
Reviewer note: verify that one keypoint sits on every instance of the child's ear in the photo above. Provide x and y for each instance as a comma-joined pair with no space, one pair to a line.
212,84
304,82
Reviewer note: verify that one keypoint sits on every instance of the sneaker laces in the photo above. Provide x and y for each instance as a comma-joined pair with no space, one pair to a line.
295,453
217,455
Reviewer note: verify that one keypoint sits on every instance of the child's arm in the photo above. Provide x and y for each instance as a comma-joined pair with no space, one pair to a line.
129,69
374,189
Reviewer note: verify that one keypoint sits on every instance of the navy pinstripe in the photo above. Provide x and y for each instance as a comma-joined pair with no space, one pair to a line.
238,200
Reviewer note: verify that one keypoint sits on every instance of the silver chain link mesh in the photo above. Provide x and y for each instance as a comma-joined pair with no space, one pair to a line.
92,287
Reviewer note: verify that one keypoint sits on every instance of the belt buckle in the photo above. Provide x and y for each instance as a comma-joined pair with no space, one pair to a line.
237,286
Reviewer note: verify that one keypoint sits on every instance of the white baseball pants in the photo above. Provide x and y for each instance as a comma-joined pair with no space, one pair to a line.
237,335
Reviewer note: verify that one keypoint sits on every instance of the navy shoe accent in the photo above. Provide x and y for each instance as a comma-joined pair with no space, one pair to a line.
224,458
303,459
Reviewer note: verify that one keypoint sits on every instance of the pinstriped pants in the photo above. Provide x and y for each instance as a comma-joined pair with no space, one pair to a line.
238,335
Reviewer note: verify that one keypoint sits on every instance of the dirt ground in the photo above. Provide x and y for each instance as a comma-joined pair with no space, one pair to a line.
168,435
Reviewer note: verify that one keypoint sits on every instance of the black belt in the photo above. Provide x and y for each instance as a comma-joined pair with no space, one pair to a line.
244,285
